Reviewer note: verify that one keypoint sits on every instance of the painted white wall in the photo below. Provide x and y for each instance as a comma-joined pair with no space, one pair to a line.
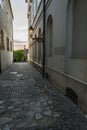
6,59
6,25
0,1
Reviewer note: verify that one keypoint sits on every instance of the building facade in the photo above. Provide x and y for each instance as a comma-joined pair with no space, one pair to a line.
6,34
65,44
35,47
19,45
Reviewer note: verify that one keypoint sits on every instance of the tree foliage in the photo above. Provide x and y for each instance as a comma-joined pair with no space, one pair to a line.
18,56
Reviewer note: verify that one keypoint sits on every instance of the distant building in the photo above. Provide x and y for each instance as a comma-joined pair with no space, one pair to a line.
19,45
6,34
35,47
65,44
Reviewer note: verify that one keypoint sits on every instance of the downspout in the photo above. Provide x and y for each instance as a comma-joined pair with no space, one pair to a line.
44,13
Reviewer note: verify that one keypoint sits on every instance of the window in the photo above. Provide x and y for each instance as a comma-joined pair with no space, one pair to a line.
50,34
35,36
39,46
32,15
69,28
7,44
38,2
79,49
0,1
2,40
39,32
77,29
35,7
10,46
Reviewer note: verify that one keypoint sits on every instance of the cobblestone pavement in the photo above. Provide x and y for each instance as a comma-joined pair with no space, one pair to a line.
30,102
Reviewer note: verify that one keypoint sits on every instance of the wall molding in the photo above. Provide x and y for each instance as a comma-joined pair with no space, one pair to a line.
67,75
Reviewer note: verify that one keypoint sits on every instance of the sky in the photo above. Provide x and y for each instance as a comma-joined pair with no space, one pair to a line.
20,25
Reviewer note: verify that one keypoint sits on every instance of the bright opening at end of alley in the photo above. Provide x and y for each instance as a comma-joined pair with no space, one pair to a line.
43,67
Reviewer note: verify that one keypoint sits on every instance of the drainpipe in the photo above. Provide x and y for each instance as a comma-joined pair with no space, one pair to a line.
44,38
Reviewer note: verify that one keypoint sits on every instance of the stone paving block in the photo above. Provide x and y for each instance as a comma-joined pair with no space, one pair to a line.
30,102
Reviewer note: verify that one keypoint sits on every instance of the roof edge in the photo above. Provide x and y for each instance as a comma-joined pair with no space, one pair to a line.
11,8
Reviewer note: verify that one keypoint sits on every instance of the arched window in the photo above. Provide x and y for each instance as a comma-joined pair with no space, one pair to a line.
80,29
50,34
77,28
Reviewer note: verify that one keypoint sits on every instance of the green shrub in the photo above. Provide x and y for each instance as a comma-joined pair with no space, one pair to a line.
18,56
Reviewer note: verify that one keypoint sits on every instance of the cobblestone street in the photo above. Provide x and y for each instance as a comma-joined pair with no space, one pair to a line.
30,102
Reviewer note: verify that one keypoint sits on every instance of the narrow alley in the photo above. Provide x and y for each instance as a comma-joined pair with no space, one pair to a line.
30,102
